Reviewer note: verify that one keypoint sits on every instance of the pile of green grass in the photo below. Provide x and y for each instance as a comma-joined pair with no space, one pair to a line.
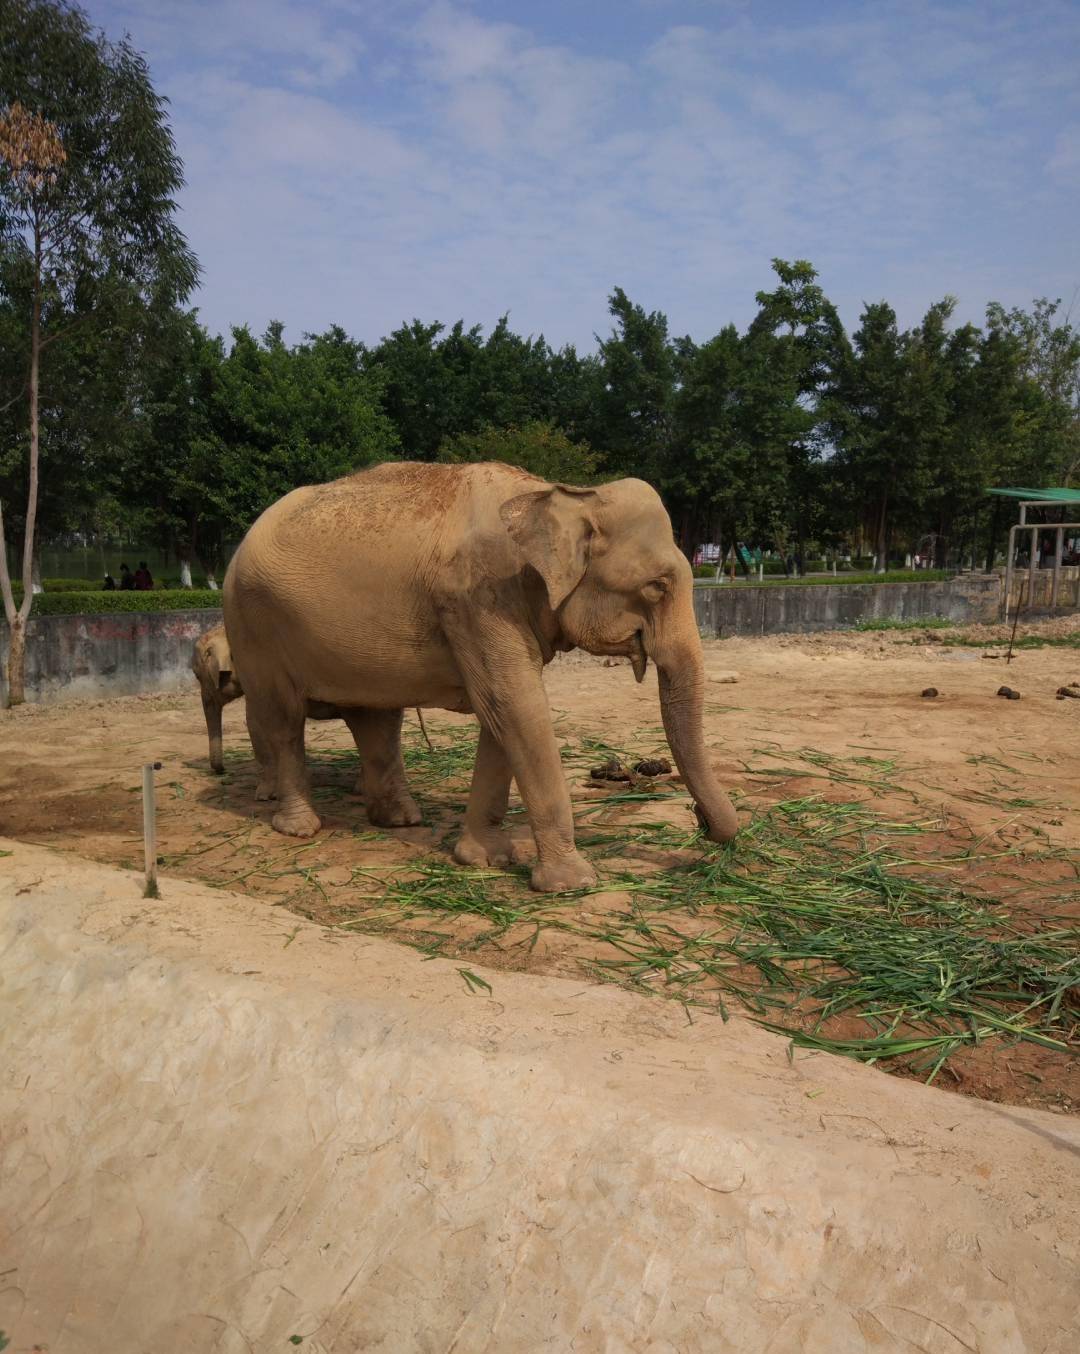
823,914
833,919
1036,641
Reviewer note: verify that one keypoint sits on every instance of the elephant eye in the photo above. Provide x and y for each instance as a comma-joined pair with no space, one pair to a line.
655,589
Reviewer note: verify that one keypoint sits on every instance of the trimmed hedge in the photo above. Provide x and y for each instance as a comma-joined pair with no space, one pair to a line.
71,584
103,603
893,576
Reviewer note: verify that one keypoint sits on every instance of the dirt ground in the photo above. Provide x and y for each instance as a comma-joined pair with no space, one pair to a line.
822,738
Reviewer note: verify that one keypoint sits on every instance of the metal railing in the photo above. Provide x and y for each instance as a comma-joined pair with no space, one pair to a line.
1011,568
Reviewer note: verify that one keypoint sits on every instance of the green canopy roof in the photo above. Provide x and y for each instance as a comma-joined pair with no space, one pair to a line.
1040,495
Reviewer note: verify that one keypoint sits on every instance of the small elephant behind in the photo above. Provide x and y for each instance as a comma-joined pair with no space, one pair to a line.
211,662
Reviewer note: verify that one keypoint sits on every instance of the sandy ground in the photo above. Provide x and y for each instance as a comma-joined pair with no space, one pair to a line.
839,716
225,1128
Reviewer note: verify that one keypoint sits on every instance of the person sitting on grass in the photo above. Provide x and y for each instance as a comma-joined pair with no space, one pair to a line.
143,580
110,583
127,579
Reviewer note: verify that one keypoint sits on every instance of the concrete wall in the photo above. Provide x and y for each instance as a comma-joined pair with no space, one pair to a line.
126,653
120,654
742,609
1032,592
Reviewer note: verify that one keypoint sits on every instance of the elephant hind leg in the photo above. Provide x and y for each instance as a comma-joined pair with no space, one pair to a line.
485,842
377,734
266,767
277,727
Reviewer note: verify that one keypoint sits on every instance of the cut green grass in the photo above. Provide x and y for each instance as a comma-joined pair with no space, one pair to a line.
1036,641
835,919
925,623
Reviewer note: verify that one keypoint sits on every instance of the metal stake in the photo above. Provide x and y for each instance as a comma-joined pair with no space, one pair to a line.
150,829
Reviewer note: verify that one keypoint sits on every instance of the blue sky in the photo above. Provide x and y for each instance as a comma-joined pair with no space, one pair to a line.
363,162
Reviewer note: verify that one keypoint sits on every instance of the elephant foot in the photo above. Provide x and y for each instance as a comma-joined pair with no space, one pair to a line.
395,811
265,789
358,788
486,848
564,875
298,822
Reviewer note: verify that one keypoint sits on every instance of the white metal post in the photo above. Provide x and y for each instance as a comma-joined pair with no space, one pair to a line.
150,829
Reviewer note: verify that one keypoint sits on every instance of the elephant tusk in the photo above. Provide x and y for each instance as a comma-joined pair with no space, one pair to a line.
639,659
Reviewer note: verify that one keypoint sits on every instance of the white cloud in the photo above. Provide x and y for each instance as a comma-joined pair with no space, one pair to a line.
363,164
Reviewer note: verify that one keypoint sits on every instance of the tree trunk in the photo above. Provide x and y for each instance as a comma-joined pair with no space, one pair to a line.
17,662
992,539
882,535
17,652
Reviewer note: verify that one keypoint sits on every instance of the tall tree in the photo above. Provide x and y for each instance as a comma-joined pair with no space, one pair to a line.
88,174
636,403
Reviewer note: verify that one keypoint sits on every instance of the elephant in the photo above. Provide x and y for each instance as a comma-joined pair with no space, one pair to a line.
451,586
211,662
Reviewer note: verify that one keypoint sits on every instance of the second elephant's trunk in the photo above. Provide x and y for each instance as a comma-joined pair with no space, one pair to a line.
212,711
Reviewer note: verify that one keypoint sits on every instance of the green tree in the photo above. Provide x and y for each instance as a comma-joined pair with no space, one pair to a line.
225,434
636,402
88,173
538,447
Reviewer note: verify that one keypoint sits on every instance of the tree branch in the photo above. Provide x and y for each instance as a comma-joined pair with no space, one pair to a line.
5,576
14,400
51,338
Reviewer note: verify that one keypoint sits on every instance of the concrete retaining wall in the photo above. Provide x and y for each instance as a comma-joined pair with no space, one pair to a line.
1031,592
127,653
120,654
741,609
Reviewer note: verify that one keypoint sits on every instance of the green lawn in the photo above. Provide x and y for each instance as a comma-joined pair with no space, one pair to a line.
893,576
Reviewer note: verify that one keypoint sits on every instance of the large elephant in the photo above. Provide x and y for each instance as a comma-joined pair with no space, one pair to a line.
212,664
451,586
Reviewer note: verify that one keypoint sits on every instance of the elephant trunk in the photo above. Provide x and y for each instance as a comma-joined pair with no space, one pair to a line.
212,711
682,696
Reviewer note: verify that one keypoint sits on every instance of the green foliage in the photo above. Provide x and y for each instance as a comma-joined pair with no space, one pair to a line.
228,432
538,447
102,603
69,585
441,384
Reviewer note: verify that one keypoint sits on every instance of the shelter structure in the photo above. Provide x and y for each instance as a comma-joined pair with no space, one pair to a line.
1038,504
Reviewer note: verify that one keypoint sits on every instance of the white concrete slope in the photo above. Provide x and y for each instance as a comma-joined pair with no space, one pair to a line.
223,1128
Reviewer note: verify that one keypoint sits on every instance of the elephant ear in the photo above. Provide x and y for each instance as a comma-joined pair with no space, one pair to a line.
553,528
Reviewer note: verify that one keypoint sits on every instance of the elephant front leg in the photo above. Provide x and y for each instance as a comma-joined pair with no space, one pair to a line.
516,711
377,735
485,842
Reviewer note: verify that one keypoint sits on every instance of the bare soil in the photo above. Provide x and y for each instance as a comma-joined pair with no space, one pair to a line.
836,719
